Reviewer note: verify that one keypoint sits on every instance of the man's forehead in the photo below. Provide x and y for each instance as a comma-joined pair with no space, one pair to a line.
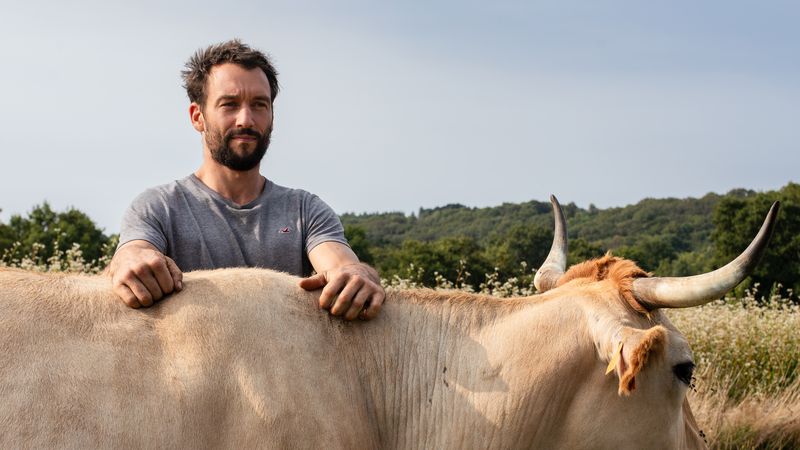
232,79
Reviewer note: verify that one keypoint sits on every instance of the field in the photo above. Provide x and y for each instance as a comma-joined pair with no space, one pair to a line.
747,388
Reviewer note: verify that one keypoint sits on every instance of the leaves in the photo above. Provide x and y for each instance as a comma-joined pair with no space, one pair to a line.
50,240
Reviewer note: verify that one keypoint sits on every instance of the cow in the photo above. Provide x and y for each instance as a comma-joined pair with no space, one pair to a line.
242,358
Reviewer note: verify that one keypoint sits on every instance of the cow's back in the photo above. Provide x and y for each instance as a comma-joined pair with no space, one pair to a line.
239,357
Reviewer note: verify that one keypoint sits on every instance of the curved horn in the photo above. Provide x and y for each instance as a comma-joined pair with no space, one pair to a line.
556,263
684,292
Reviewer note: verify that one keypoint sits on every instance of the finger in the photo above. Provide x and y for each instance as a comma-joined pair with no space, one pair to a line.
146,276
330,292
163,276
175,273
141,292
126,295
346,296
375,305
149,281
358,304
363,314
313,283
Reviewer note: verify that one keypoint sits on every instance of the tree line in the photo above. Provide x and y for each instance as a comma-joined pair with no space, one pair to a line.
456,245
668,237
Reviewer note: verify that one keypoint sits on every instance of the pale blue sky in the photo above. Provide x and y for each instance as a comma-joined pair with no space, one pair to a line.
394,106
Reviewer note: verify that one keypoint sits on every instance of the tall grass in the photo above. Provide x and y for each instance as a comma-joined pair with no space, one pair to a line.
747,387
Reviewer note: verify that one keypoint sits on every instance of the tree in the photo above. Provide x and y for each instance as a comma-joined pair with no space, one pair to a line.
53,232
582,250
357,237
6,236
530,244
737,220
457,259
651,253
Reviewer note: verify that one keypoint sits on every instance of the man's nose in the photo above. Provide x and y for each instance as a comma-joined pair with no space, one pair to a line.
245,118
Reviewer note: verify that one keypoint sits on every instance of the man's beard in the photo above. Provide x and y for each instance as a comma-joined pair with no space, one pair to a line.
222,153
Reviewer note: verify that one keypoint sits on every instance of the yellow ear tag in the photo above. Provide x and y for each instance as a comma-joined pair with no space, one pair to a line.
614,359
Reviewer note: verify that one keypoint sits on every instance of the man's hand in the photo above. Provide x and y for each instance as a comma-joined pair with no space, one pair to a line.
141,275
351,289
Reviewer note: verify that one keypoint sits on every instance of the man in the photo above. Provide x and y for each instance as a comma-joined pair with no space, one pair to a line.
226,214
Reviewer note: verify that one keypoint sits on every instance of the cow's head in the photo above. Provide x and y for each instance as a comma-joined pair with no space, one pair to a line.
650,360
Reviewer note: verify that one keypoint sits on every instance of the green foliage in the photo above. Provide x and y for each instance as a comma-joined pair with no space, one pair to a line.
688,263
737,220
447,257
391,229
669,237
581,250
688,220
529,244
357,237
50,240
6,236
653,252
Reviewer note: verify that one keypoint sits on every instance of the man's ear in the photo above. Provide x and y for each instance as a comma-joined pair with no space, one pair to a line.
196,117
632,348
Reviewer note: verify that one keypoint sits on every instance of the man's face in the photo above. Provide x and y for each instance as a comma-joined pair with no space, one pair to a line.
237,116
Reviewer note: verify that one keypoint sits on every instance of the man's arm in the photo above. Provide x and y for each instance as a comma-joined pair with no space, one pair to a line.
351,289
141,275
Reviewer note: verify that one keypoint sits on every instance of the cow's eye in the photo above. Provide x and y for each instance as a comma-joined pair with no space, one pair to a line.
684,371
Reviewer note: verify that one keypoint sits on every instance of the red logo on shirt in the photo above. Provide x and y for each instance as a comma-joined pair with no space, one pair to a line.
284,230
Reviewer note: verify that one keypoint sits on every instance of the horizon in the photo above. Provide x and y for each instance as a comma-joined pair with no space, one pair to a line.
587,206
415,213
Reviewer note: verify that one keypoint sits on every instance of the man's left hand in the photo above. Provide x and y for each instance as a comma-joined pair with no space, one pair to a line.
352,290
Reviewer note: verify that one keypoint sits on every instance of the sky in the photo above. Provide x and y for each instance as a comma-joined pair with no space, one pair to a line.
393,106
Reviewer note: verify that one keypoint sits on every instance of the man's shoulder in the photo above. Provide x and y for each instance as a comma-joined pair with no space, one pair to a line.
164,192
300,198
277,190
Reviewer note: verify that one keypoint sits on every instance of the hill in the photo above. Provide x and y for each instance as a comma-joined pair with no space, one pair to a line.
671,237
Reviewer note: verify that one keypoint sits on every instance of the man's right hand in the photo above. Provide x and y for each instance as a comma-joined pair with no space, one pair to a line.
141,275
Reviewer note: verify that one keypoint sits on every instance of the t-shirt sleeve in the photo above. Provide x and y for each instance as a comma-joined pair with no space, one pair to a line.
322,224
145,219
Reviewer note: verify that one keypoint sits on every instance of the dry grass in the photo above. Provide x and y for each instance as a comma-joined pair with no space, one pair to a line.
756,421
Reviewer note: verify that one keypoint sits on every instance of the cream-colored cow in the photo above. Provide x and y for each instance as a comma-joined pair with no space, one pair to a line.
243,358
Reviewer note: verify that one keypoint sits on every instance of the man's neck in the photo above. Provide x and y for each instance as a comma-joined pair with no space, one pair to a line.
238,187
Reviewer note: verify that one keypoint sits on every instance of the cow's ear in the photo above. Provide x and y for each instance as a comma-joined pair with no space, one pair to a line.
632,349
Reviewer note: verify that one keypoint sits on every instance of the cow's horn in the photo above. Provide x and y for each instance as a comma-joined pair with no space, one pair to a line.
556,263
696,290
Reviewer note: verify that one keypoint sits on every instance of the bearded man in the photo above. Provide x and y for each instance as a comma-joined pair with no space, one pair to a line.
227,214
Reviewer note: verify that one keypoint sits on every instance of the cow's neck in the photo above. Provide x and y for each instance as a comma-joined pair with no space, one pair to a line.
437,373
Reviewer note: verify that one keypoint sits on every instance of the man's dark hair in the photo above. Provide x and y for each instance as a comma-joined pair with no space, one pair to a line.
234,51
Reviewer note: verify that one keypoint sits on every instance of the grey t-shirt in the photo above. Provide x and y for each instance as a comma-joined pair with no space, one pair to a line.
198,228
